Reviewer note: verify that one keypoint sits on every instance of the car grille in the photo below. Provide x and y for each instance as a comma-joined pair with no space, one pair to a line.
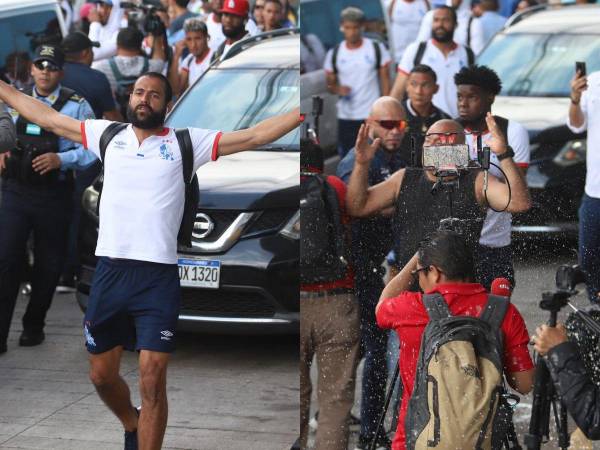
270,220
220,303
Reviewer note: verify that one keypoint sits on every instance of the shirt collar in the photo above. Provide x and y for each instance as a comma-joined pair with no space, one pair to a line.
458,288
50,99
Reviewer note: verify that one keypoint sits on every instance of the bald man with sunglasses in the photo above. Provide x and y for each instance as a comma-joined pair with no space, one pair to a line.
419,207
371,241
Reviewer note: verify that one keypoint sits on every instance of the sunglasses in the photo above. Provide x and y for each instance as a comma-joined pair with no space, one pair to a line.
46,65
391,124
415,273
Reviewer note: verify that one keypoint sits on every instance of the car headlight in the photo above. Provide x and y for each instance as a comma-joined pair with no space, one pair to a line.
291,229
573,152
89,201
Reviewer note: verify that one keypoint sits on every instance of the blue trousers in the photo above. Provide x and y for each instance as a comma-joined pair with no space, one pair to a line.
589,244
46,214
369,285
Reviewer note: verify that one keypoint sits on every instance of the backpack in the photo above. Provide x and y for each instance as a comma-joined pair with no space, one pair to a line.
423,46
336,49
124,83
323,249
190,179
459,369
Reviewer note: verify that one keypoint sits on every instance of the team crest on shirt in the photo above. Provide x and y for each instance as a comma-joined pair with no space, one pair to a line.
166,153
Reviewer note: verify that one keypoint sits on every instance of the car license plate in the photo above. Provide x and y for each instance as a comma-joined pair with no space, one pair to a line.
202,273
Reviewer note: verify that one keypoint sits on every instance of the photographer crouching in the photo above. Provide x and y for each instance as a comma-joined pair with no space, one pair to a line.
578,393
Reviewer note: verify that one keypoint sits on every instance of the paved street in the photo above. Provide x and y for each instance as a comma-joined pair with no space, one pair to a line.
225,392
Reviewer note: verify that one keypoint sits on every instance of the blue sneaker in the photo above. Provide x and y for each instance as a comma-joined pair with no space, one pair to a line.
131,441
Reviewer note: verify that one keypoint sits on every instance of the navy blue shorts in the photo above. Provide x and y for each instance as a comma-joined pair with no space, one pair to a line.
134,304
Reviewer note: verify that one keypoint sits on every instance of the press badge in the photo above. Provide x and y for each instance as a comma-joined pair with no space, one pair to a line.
33,129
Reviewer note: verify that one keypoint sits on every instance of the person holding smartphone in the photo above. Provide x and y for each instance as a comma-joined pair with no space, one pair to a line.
584,114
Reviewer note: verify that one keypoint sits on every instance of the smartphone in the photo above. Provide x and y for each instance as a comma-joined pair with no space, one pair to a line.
580,67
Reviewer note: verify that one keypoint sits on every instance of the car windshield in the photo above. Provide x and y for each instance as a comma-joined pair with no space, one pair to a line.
535,65
229,100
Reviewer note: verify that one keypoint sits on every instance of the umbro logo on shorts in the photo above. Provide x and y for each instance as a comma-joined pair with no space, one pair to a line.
166,335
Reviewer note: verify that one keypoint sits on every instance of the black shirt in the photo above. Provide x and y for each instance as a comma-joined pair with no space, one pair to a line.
91,84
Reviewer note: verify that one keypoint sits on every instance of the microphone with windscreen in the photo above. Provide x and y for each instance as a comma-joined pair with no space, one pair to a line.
501,286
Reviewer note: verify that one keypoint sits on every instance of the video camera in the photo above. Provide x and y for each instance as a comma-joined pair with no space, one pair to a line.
142,15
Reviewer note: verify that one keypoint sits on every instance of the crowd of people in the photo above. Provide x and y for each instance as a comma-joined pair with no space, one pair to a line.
102,94
397,211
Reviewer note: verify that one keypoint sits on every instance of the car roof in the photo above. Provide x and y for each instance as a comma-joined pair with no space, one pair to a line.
281,51
19,4
578,19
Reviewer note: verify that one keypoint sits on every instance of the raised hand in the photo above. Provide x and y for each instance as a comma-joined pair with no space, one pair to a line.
365,151
578,85
497,143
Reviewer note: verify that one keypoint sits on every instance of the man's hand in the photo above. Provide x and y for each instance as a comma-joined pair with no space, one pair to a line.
497,143
46,162
3,157
179,46
546,337
578,85
364,151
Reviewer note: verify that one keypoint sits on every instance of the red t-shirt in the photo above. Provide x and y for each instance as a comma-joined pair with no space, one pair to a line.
348,280
408,317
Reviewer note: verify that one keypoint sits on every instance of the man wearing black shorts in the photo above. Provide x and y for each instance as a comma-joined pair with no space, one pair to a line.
135,296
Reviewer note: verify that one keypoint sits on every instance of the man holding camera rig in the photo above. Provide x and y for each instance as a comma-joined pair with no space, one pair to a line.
418,194
37,192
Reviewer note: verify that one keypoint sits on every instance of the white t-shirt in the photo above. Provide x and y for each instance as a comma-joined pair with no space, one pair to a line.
590,105
497,225
128,66
143,194
444,68
356,69
477,41
195,67
215,31
405,22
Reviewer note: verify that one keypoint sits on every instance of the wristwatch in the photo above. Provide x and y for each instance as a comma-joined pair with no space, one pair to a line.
509,153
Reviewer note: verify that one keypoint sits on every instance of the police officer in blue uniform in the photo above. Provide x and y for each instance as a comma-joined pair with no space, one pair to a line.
37,185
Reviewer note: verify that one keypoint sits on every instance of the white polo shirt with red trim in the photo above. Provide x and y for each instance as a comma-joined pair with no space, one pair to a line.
497,226
444,67
356,69
143,194
195,66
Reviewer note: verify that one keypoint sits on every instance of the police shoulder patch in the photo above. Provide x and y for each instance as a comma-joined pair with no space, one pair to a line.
76,98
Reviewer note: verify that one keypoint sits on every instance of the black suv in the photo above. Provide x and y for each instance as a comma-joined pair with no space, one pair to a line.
241,272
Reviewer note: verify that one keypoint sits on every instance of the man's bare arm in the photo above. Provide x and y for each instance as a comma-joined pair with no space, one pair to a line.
384,80
521,382
362,200
578,86
41,114
399,86
262,133
400,283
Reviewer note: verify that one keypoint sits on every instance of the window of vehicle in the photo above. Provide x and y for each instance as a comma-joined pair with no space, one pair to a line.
536,65
27,31
230,100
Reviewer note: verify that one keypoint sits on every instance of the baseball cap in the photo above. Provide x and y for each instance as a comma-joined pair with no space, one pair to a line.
76,42
235,7
108,2
51,53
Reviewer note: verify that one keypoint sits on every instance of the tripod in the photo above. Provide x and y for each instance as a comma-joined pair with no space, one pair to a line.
544,392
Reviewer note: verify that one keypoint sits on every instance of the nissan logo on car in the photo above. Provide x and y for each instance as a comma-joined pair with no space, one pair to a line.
203,226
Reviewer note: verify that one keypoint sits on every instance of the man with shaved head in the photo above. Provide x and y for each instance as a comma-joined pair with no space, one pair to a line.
371,241
418,207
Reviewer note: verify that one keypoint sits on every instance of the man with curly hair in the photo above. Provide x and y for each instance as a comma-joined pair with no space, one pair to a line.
477,87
